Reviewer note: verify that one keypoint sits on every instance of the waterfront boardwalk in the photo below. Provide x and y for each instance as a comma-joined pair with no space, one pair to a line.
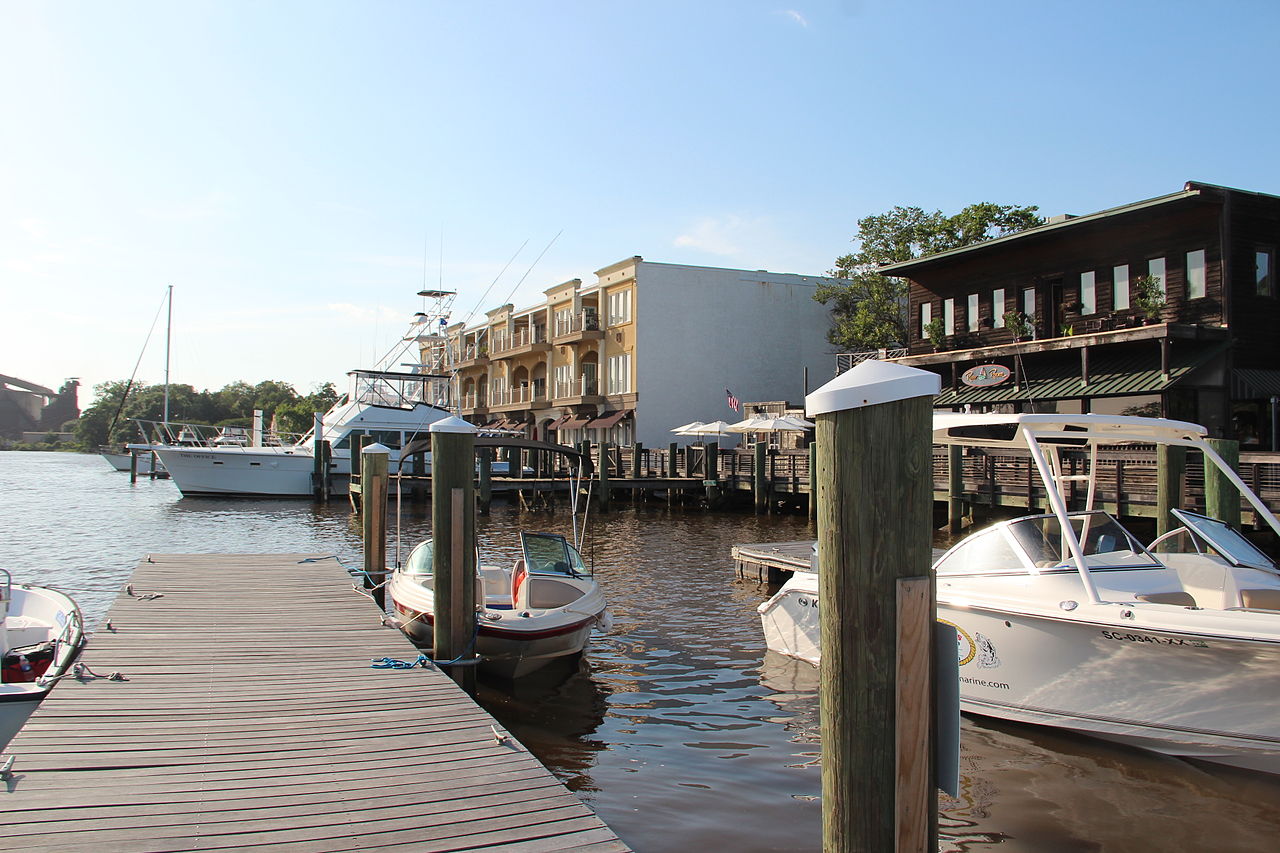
250,719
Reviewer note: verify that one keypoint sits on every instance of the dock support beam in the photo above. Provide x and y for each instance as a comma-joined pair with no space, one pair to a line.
1171,466
955,488
1221,497
373,519
759,476
453,534
602,472
875,498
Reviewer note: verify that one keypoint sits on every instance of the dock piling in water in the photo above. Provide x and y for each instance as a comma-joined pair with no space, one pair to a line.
373,519
874,495
453,534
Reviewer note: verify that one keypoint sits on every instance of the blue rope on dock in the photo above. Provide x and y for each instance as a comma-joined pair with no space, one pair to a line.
393,663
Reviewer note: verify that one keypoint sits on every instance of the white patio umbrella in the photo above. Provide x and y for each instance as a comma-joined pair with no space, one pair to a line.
800,422
713,428
770,424
681,430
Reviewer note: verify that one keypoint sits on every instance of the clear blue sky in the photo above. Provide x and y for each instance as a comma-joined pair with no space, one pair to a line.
293,168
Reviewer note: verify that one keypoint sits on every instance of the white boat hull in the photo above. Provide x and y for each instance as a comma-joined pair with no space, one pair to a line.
123,462
1177,692
35,617
510,643
246,471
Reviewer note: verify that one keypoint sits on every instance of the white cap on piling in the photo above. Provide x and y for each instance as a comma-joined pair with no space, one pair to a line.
453,424
377,448
871,383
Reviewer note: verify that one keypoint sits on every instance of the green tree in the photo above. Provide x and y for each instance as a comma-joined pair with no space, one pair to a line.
869,309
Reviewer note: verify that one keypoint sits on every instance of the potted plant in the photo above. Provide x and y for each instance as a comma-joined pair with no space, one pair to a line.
1018,324
1148,298
936,331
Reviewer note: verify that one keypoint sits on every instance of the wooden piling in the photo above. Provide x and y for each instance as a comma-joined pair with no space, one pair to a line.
319,470
673,460
602,473
955,488
1221,497
485,477
1171,467
813,473
133,466
759,476
453,533
712,479
373,519
874,494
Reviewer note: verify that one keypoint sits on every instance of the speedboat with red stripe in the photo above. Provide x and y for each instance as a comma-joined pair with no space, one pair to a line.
541,608
41,635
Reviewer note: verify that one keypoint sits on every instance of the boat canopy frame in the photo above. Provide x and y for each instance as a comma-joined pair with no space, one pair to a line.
1043,435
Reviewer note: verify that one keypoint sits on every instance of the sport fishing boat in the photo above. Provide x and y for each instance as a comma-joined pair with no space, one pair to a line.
540,608
391,406
1066,619
41,634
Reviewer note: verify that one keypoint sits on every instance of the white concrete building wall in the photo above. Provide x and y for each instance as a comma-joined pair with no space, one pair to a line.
701,330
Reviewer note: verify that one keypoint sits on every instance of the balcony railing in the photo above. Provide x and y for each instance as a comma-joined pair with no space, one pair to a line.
584,321
584,387
520,338
475,400
846,360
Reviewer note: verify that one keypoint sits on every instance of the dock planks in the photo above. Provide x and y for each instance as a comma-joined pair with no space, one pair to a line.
251,720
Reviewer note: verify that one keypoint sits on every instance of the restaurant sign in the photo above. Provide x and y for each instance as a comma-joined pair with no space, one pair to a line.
985,375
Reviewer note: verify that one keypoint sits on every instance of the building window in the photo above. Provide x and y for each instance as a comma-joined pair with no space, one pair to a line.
997,308
1029,302
949,316
1120,288
619,374
973,312
620,307
1195,274
1088,293
926,317
1263,274
1155,269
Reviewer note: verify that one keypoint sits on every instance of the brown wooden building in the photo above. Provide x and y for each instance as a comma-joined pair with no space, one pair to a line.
1208,355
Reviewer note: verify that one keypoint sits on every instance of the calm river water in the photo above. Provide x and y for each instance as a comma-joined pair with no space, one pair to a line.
679,729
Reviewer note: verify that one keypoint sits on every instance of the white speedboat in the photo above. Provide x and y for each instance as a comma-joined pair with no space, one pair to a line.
541,608
1067,620
41,634
388,405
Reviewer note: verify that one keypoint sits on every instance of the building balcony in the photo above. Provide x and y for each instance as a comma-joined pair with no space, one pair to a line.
522,342
475,404
525,397
583,392
583,326
471,356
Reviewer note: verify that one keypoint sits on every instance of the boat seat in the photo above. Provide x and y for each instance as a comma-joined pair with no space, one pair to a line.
1260,599
1179,598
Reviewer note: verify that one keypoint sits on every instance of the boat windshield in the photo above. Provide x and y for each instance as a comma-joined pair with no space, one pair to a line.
1037,543
548,553
1223,539
421,560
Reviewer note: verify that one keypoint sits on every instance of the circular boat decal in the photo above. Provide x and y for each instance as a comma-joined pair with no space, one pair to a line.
966,648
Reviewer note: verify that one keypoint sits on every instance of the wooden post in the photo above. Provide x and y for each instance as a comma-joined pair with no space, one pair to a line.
759,476
955,488
453,533
712,478
602,472
1221,497
418,467
813,479
133,466
673,460
875,496
373,519
319,472
486,479
1171,465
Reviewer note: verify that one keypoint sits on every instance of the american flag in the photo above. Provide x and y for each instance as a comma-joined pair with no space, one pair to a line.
734,403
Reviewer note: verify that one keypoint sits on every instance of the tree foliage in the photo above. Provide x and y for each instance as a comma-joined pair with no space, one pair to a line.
869,309
233,405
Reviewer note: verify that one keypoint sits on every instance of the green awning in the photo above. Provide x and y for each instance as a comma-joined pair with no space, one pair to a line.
1111,374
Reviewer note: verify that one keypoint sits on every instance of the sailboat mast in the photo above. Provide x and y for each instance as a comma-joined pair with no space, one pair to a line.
168,328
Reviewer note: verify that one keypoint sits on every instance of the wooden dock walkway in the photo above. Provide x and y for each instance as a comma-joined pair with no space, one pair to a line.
250,719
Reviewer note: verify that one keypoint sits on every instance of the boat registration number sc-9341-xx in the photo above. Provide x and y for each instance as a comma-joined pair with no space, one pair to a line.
1159,641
